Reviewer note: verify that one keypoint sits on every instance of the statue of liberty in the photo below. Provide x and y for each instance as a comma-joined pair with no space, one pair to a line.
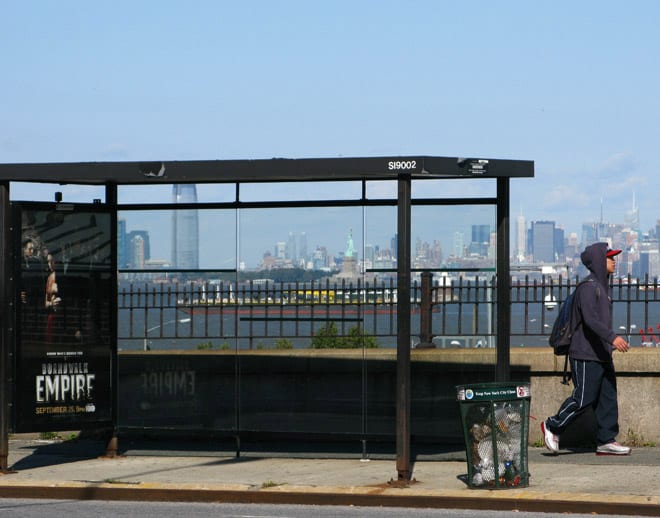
350,248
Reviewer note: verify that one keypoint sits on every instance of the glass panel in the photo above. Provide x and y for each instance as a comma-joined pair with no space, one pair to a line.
380,396
314,239
458,245
301,391
185,392
153,193
138,249
455,188
301,191
26,191
382,189
380,252
434,412
459,237
169,309
165,193
302,276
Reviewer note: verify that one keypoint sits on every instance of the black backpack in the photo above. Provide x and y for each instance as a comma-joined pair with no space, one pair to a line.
567,322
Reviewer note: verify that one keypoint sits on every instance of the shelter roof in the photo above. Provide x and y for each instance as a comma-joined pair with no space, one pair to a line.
264,170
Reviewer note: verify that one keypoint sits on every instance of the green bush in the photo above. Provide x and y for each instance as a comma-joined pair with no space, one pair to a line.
283,343
327,337
357,338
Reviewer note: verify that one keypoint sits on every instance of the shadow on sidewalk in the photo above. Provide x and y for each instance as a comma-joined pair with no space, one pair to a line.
35,455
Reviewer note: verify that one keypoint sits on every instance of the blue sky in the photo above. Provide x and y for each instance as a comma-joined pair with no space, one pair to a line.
571,85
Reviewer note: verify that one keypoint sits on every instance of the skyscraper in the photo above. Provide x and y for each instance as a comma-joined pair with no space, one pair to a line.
521,238
559,243
302,252
138,248
459,244
137,252
543,241
122,252
291,252
185,229
480,240
631,217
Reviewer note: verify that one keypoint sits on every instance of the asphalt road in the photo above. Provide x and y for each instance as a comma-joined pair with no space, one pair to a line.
23,508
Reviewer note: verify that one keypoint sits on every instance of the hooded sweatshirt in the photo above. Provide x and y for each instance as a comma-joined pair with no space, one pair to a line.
593,339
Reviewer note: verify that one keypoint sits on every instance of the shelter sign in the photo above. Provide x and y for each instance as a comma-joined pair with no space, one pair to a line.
64,348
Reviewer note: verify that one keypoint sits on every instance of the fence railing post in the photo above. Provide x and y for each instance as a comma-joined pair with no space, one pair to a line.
425,313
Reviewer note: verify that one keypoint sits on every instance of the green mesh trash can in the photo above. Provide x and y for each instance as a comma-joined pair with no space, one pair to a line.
495,419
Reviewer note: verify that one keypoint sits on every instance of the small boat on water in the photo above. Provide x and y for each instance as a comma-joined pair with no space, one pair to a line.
550,302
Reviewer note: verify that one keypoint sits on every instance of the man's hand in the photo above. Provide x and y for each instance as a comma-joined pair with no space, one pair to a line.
620,344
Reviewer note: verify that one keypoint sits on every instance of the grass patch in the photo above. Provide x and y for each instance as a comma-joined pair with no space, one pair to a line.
637,440
270,483
49,436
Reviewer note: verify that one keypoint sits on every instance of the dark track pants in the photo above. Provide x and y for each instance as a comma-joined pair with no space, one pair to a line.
595,387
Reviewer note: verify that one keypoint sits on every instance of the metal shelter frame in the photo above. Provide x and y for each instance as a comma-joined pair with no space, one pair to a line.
403,169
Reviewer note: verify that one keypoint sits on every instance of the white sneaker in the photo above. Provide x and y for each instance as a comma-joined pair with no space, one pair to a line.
612,448
551,440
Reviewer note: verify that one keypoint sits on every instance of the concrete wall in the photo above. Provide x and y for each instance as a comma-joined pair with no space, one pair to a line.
638,380
347,391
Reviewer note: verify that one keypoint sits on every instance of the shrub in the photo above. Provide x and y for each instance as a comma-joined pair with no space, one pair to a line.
327,337
283,343
357,338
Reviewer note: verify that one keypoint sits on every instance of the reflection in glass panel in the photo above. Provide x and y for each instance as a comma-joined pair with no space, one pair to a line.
27,191
301,191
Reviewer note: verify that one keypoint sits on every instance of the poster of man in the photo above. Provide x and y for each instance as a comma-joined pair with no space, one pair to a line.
64,336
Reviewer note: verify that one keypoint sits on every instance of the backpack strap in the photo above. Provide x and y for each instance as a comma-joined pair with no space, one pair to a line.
566,375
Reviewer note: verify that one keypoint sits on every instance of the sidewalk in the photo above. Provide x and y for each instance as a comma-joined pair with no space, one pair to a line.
577,482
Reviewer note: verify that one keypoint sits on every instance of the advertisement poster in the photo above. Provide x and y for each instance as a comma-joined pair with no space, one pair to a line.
64,307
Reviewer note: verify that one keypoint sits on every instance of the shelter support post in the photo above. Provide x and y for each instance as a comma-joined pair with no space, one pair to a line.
6,327
503,367
403,330
111,201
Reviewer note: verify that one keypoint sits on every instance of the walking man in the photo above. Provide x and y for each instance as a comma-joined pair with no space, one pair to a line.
590,355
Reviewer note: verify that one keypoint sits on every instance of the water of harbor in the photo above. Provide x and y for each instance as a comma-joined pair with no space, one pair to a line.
156,324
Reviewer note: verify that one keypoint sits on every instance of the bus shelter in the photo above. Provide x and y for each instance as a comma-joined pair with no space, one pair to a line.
54,382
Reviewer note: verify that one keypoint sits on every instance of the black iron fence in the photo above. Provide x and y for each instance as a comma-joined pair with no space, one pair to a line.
447,312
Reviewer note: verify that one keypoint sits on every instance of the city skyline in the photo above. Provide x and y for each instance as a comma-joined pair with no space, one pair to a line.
544,241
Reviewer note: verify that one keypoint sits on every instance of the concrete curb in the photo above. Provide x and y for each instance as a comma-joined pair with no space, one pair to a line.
366,496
